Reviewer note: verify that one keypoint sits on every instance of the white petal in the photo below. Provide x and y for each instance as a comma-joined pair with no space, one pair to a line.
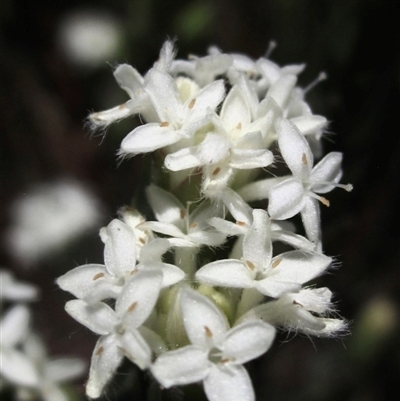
280,90
247,341
294,148
275,288
257,244
182,159
83,279
99,318
166,207
213,149
163,228
286,199
128,79
259,190
153,250
251,158
227,227
226,273
231,383
235,110
171,273
147,138
138,297
119,248
135,348
106,117
327,170
298,267
183,366
208,98
294,240
64,369
210,238
163,92
203,321
309,124
105,360
14,326
310,216
239,209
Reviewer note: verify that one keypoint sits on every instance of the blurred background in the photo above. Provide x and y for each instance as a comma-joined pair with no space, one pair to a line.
60,184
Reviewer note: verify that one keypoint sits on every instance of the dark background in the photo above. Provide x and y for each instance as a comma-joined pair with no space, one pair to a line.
45,98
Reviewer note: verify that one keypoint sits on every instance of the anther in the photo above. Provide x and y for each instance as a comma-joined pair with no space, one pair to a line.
276,263
132,307
216,171
122,106
182,213
250,265
164,124
241,223
304,159
191,104
97,276
99,351
208,332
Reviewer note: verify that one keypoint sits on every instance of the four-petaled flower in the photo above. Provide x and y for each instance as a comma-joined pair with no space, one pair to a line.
216,353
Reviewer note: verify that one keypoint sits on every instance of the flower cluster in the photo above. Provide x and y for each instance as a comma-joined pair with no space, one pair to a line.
217,126
25,365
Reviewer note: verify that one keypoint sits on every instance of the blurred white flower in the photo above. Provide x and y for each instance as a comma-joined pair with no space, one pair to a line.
46,218
13,290
90,37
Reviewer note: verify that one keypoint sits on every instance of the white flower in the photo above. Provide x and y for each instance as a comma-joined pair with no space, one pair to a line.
216,353
304,311
15,366
51,372
177,118
236,142
272,276
185,229
96,282
118,329
13,290
244,216
299,194
132,82
46,218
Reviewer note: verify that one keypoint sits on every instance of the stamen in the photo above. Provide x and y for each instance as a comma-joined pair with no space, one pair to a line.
99,351
250,265
182,213
164,124
132,272
193,225
304,159
239,126
321,77
142,241
271,46
241,223
122,106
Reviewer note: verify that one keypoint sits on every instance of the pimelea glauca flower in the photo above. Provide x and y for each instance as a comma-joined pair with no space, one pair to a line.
189,321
